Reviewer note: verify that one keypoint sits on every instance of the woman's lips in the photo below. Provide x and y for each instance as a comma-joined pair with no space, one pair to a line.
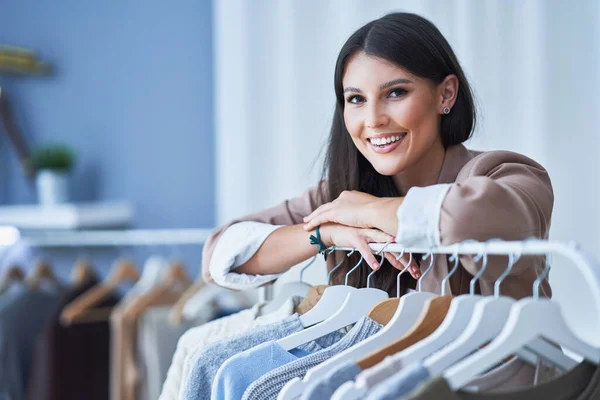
386,148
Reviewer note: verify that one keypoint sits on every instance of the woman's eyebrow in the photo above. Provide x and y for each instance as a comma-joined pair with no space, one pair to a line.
381,87
394,82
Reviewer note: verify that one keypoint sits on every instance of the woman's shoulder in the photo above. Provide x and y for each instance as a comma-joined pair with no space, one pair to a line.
490,162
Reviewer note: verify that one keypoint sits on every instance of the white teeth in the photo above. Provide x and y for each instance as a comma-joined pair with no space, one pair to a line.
382,141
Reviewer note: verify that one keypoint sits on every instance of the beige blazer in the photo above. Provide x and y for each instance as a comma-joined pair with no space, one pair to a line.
496,194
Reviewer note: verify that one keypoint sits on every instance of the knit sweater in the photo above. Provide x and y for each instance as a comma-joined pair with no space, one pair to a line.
269,385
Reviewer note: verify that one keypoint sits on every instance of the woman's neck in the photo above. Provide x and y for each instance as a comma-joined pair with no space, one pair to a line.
423,173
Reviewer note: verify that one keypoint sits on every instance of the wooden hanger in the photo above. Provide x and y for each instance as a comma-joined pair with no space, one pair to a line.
175,279
176,314
432,316
384,311
13,274
82,272
123,271
42,271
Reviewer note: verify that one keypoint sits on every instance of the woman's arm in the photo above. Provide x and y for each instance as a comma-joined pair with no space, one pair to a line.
290,245
284,248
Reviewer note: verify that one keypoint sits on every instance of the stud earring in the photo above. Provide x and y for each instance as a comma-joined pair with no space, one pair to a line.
446,110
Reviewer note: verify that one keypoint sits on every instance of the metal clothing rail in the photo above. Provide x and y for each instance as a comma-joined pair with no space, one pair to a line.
495,247
107,238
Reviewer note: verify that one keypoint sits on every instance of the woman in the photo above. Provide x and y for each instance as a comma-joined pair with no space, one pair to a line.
396,170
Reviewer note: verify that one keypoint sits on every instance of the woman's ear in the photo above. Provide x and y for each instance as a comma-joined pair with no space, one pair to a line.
448,91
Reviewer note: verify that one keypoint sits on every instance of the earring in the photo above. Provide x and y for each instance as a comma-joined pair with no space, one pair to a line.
446,110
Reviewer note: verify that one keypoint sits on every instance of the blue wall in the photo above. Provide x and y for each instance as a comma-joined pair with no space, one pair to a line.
132,94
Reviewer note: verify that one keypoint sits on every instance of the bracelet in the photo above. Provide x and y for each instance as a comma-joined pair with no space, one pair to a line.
317,241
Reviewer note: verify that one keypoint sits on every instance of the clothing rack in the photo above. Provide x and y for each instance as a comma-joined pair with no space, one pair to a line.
113,238
108,238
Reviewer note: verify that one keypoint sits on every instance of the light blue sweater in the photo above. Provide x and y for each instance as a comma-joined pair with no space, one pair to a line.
325,387
400,384
201,377
237,373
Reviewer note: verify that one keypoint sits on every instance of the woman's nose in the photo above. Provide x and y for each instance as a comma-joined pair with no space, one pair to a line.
376,117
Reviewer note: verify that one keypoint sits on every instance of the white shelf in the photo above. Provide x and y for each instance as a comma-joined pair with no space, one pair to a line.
68,216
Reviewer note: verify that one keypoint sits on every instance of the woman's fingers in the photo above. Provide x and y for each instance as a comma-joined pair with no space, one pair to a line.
414,269
377,236
392,260
368,256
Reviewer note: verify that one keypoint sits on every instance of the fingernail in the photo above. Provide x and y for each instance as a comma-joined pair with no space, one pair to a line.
305,218
375,265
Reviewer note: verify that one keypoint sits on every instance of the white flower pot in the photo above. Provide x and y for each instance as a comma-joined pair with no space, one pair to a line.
52,187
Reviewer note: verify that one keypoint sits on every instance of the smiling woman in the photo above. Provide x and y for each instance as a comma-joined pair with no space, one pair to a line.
396,170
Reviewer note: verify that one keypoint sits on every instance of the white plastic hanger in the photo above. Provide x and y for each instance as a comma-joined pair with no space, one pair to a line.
529,319
360,388
459,314
356,305
489,318
332,298
288,290
406,316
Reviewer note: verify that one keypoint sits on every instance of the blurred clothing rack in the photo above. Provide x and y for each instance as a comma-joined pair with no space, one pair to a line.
134,237
107,238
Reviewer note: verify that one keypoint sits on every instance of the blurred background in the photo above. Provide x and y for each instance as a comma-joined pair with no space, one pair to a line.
187,114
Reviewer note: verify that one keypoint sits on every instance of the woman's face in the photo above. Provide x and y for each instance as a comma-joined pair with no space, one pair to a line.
392,116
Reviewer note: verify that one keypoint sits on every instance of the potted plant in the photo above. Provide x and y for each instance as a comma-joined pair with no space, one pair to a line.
52,164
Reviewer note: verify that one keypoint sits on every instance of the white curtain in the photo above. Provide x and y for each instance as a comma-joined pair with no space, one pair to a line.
534,66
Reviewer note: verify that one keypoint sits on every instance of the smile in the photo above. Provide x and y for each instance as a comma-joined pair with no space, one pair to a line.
386,144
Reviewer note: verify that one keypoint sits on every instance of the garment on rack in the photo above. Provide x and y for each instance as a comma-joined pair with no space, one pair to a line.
197,339
72,362
208,361
325,387
23,314
513,374
125,376
510,192
581,383
239,371
400,384
270,384
157,340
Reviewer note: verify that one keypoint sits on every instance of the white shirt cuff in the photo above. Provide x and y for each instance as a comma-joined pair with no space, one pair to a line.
419,216
235,247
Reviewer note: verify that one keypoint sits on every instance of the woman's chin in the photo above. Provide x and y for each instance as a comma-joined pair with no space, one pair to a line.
388,169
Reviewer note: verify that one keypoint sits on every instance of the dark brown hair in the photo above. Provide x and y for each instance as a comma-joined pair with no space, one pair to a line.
415,44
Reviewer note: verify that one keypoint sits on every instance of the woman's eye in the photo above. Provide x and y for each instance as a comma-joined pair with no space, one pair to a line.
397,93
355,99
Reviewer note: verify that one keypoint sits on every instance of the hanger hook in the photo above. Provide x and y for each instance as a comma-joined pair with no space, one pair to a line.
333,248
454,258
369,278
382,252
398,280
478,275
512,259
543,275
432,257
353,268
311,262
482,253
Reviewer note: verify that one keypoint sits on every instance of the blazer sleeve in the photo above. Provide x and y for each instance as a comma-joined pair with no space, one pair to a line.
497,194
289,212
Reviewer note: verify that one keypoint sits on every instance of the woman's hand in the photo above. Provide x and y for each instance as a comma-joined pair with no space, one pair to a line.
359,210
359,239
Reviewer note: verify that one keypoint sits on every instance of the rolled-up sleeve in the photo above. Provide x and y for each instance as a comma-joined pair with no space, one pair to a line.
236,246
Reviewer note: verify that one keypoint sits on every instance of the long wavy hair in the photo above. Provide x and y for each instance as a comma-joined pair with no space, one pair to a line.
416,45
